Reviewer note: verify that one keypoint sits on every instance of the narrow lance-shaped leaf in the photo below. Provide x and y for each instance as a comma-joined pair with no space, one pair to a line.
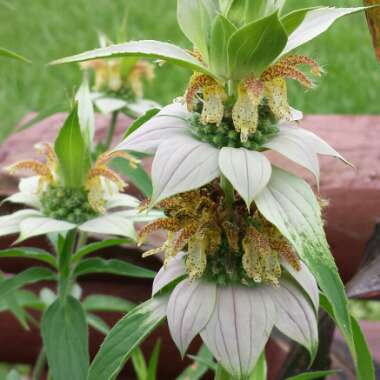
72,151
364,362
10,54
27,277
99,302
313,375
261,370
112,266
203,361
125,336
97,246
65,336
145,48
136,174
30,253
289,203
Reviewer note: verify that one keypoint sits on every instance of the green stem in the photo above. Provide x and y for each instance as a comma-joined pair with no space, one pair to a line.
111,130
66,278
39,366
221,374
229,194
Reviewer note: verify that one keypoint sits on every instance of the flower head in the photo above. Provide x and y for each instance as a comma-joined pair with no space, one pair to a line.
62,200
234,320
118,75
270,88
189,155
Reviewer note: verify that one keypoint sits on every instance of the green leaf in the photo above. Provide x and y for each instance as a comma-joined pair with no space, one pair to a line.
139,364
97,323
141,121
125,336
145,48
255,46
73,153
65,337
221,373
153,362
195,18
30,253
24,298
13,375
289,203
313,375
137,175
10,54
294,19
27,277
16,309
236,12
202,362
113,266
260,371
225,6
99,302
94,247
258,9
221,32
364,362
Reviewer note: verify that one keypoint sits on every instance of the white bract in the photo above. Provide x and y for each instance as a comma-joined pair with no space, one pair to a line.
183,163
236,321
121,212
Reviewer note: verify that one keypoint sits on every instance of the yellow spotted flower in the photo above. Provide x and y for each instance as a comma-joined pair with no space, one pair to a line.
98,207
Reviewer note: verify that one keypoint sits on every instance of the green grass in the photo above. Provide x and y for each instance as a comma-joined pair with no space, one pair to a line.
46,29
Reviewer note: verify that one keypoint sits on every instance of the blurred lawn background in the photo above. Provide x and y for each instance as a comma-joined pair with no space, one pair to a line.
44,30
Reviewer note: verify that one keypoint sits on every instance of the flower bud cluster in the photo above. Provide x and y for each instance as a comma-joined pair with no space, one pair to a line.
225,134
70,205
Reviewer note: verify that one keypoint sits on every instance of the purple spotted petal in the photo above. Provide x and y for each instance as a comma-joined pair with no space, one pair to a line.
297,317
182,164
166,275
169,122
190,307
239,328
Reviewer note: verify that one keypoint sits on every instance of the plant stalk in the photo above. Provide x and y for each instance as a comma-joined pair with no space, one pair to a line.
229,194
39,366
111,130
66,277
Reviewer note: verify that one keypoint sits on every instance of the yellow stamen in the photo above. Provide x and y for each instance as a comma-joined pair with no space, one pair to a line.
277,95
196,259
47,150
167,224
213,104
295,60
104,158
245,114
141,70
232,233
